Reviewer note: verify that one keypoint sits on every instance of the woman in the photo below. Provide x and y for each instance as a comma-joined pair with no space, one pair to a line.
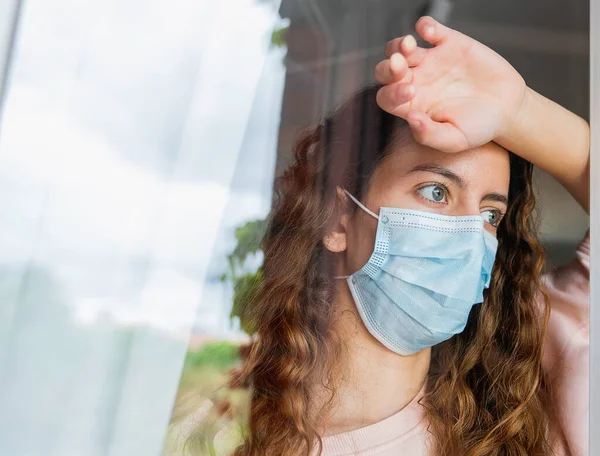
402,310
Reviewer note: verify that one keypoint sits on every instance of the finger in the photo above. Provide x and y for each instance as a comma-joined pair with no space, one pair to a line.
393,46
432,31
394,98
407,46
391,70
442,136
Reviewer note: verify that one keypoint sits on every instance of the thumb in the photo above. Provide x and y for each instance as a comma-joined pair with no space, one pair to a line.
442,136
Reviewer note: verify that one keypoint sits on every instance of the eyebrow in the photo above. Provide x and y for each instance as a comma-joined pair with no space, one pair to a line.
437,169
498,197
442,171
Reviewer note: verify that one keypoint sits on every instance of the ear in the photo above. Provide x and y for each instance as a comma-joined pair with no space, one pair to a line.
336,239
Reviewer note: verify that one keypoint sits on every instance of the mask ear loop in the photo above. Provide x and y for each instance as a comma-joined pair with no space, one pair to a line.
364,208
361,205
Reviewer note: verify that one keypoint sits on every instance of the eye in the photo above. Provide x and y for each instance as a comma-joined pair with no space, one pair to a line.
434,193
492,216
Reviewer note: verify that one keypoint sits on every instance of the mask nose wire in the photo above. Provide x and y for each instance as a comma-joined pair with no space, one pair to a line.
361,205
364,208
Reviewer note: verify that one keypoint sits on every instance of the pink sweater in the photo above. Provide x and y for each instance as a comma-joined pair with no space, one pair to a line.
565,358
566,351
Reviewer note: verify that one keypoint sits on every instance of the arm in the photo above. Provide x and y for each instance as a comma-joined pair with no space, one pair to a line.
460,94
567,348
555,140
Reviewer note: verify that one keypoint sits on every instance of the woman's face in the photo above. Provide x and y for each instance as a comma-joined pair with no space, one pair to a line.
473,182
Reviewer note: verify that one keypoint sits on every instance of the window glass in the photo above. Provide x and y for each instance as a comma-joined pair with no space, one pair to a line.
140,142
136,136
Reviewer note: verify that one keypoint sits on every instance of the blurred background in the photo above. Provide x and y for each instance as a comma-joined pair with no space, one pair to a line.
138,145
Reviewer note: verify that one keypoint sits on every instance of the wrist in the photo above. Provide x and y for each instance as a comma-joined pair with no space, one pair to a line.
515,125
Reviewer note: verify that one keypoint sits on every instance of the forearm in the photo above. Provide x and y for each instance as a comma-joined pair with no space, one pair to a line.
555,140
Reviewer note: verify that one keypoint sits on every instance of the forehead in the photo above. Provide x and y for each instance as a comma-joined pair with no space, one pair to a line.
485,168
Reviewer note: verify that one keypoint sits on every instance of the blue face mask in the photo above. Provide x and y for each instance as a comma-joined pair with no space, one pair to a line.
425,274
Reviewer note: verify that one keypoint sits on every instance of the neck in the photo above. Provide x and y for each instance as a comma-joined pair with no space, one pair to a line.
374,382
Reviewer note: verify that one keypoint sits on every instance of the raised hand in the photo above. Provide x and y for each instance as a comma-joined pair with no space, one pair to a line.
457,95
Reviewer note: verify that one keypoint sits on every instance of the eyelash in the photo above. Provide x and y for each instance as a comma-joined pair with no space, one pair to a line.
447,193
437,184
500,215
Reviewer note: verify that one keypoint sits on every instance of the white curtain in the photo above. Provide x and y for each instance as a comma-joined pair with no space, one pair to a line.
121,129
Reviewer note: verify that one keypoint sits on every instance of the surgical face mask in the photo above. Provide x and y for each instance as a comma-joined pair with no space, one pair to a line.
425,274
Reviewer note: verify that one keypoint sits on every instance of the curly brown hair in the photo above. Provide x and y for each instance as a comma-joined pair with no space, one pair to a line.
486,392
